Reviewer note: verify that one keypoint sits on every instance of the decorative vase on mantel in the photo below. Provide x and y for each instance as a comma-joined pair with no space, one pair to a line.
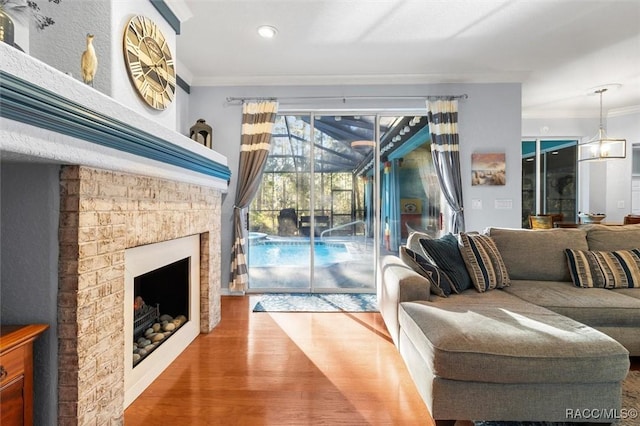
6,28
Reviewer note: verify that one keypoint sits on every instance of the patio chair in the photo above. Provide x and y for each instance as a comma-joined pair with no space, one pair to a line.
545,221
540,222
287,222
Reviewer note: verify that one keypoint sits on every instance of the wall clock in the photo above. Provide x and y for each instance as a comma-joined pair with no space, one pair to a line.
149,62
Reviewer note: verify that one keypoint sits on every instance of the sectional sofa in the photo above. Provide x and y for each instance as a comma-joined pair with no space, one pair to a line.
532,346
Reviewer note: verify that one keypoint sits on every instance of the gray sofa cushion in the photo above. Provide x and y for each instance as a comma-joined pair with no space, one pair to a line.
630,292
610,238
596,307
495,337
537,254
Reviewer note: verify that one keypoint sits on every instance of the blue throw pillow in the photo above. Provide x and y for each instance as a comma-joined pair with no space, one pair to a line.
438,280
445,254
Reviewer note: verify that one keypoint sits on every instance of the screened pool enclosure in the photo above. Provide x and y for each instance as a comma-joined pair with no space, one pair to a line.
337,192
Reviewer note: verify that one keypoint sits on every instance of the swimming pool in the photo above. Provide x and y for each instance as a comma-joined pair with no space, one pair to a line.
295,253
256,236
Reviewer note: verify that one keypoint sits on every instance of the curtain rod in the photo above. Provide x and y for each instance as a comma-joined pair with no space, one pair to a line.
344,99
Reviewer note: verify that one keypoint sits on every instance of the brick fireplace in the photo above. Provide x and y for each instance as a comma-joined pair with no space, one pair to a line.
102,214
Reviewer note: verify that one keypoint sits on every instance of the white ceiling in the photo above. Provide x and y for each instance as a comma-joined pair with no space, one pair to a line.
558,49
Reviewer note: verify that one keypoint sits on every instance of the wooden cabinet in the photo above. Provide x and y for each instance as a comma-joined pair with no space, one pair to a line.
16,373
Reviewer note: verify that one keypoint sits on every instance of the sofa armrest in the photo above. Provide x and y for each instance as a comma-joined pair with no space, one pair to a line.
398,283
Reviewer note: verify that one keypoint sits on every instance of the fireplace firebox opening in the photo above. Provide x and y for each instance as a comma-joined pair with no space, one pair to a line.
166,275
160,306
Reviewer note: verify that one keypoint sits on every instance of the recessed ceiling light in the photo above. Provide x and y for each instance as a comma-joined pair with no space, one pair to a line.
267,31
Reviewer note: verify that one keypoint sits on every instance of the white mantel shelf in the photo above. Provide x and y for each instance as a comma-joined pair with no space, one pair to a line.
47,116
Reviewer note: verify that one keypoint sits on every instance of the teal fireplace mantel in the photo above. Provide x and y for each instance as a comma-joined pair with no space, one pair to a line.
49,116
26,102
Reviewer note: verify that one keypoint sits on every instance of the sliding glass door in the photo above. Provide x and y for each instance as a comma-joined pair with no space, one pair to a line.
279,224
344,256
308,225
338,191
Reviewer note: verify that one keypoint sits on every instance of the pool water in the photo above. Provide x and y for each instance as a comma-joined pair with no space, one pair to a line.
279,253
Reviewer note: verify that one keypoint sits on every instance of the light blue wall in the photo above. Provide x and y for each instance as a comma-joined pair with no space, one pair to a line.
182,112
489,121
30,205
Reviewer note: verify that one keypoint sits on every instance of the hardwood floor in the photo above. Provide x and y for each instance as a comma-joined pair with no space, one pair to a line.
284,369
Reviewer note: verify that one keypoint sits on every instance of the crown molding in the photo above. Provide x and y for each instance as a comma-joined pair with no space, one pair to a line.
619,112
557,114
355,79
590,114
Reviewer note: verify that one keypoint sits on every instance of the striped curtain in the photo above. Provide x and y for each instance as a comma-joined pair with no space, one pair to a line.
257,126
443,125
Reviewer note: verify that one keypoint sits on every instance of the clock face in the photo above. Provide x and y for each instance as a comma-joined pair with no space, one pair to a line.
149,62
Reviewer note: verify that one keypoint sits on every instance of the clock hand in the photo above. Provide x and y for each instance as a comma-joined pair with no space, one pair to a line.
144,59
159,78
151,51
164,74
149,55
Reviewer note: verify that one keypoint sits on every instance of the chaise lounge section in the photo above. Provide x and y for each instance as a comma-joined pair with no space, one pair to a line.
538,349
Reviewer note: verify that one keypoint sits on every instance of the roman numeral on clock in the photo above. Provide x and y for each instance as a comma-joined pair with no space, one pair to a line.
133,47
145,89
151,99
136,69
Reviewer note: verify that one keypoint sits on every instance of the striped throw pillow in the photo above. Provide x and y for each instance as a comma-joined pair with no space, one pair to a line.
439,281
484,262
604,269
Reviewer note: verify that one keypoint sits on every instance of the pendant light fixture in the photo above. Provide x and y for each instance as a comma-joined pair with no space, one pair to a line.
602,147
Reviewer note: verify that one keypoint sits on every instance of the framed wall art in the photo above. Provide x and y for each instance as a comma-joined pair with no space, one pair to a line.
488,169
